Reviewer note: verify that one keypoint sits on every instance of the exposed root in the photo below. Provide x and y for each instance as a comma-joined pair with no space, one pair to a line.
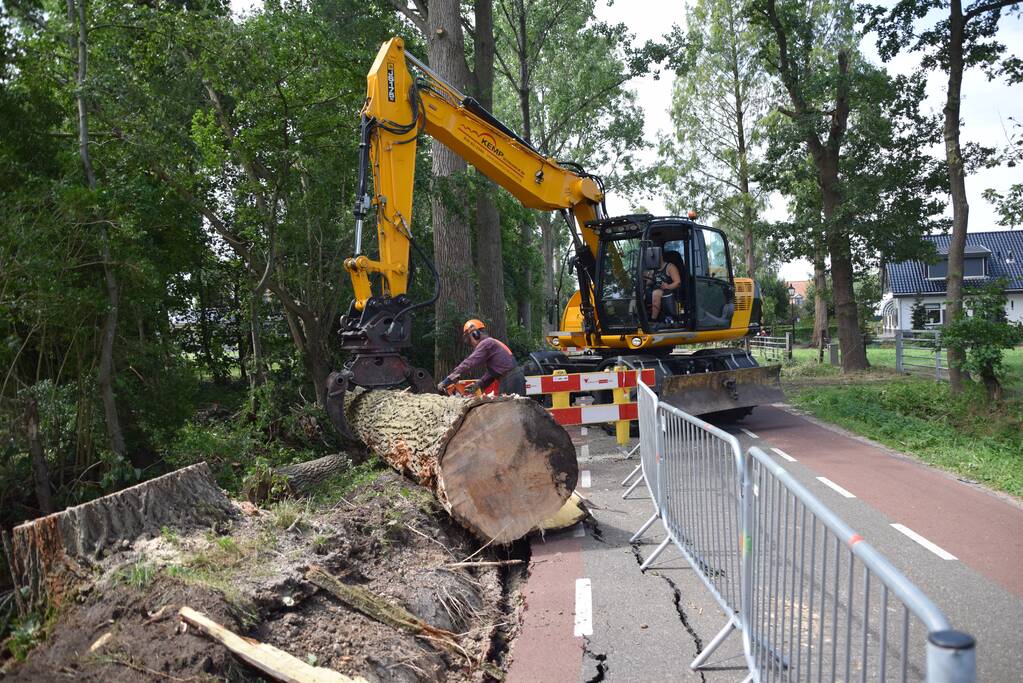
512,576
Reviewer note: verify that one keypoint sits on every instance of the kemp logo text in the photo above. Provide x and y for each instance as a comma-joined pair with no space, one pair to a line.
488,141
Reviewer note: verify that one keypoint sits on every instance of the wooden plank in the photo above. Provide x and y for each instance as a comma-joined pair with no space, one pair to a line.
266,658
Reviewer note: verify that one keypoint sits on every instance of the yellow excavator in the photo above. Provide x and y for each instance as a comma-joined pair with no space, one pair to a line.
607,322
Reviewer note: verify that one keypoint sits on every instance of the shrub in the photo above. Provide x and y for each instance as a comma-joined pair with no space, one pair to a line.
981,338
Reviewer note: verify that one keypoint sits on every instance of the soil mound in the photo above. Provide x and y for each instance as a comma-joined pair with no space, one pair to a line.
387,537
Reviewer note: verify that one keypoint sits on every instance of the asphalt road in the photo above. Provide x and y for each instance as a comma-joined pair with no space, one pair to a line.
590,614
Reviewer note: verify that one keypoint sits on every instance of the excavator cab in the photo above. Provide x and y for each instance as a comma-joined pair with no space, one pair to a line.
632,261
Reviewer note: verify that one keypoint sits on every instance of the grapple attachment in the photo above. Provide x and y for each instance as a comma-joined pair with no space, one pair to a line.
374,337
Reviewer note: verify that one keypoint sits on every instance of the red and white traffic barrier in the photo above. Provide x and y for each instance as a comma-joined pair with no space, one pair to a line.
588,415
587,381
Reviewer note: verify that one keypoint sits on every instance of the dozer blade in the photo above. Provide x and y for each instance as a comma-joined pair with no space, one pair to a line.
714,392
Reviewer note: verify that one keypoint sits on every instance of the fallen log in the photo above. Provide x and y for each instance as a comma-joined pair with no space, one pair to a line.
295,480
275,663
49,554
498,466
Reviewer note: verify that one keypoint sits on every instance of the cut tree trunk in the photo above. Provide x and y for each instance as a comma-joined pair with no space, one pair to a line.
499,467
49,553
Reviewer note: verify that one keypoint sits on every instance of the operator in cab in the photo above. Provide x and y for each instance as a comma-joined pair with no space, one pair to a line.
502,375
665,279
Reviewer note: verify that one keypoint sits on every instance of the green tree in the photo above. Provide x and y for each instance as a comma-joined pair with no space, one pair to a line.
469,66
775,293
982,336
965,38
872,185
809,49
590,119
717,109
253,124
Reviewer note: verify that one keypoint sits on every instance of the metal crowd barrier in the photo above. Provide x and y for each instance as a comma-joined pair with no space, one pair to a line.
812,599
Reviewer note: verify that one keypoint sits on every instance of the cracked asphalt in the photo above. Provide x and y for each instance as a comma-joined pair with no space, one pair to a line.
645,626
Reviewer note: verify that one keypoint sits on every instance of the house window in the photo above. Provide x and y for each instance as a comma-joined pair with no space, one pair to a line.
934,314
937,271
974,267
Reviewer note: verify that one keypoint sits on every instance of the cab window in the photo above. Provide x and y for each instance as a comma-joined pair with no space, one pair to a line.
618,284
713,279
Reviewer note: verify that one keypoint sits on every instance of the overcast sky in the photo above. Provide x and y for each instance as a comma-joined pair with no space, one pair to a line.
986,109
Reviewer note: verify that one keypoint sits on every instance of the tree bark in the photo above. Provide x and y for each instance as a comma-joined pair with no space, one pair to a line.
850,339
40,469
451,238
49,553
957,184
79,44
489,256
820,304
498,466
547,238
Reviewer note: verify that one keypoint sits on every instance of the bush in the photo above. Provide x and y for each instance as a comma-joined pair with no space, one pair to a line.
981,338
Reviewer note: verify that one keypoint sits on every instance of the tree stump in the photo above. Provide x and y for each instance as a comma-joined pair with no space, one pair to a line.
498,466
50,553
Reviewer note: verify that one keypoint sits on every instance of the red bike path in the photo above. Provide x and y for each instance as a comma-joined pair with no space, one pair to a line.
982,529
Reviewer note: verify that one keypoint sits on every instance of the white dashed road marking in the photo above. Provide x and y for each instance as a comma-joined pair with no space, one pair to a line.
580,530
584,450
835,487
937,550
584,478
583,608
748,433
783,454
583,431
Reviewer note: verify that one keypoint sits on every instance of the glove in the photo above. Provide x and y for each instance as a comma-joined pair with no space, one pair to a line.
444,384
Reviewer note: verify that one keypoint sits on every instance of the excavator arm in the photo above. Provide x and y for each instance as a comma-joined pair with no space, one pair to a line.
400,105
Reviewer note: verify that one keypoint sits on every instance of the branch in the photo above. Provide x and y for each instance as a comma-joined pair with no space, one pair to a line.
988,7
840,117
417,16
504,68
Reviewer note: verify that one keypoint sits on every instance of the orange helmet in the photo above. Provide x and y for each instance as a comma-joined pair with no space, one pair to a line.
471,326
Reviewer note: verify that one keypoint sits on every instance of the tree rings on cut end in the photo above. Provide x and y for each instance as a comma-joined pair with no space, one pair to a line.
508,468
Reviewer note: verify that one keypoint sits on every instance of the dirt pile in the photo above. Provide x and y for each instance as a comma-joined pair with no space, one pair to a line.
386,536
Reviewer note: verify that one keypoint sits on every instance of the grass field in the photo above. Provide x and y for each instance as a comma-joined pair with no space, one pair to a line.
884,357
919,416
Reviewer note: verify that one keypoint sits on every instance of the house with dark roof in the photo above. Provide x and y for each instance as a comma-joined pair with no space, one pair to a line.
988,257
